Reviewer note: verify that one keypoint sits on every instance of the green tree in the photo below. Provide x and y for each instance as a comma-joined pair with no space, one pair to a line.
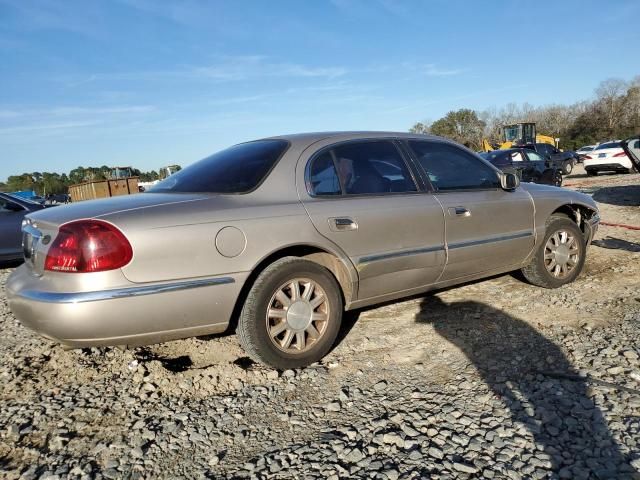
462,126
77,175
20,182
420,127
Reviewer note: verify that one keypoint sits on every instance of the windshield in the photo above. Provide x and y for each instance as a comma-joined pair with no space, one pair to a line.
609,145
512,132
238,169
585,149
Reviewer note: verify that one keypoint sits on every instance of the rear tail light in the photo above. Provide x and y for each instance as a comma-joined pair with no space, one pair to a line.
621,154
587,157
88,246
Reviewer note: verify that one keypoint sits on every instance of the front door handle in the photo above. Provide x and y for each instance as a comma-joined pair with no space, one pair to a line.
342,224
459,211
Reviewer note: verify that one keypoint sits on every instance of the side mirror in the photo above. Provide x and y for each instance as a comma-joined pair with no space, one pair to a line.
509,181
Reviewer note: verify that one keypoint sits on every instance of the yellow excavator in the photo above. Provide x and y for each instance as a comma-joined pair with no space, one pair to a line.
519,134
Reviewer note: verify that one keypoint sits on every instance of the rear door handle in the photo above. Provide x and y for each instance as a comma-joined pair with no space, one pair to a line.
459,211
342,224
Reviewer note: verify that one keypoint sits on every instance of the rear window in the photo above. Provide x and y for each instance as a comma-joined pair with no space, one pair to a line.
238,169
609,145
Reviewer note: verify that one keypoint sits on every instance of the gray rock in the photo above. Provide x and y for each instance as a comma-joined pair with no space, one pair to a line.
464,467
333,407
436,453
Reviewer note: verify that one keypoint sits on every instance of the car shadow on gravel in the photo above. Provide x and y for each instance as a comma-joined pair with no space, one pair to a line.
622,195
536,382
617,244
10,264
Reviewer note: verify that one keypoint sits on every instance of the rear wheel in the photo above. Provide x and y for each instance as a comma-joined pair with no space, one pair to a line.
567,167
292,314
557,179
591,172
560,257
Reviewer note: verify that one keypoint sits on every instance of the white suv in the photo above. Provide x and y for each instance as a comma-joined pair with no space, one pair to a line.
608,157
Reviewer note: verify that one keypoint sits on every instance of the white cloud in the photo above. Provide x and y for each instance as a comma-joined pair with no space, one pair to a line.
224,69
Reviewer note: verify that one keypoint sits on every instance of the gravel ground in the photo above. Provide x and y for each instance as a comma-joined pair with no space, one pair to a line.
494,379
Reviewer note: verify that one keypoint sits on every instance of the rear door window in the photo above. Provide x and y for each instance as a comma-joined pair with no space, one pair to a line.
360,168
517,157
451,168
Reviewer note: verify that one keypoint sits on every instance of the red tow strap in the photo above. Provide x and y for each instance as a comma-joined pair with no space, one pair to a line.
621,225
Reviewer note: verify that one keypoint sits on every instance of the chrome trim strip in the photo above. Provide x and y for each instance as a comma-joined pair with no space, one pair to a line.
404,253
482,241
96,296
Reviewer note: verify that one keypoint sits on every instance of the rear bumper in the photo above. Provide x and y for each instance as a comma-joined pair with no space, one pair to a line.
601,167
130,315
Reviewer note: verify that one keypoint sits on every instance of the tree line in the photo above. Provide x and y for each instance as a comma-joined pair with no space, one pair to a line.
44,183
613,113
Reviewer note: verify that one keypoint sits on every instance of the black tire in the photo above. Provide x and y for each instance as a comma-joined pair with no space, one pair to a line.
557,179
567,167
591,172
252,328
536,272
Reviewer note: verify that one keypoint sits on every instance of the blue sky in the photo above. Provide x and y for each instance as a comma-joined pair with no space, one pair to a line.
153,82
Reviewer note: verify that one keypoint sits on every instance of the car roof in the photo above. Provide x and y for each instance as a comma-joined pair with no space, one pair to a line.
313,137
506,150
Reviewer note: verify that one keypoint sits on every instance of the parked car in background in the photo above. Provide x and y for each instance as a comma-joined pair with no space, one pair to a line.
57,199
284,234
12,212
608,157
584,151
529,165
564,160
631,147
28,195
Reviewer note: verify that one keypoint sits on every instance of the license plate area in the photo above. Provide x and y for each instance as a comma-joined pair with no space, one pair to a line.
602,155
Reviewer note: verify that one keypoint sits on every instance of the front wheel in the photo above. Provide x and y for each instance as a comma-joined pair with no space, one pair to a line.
560,257
292,314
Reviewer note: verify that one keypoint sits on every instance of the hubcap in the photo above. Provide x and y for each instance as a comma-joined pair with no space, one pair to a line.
297,315
561,254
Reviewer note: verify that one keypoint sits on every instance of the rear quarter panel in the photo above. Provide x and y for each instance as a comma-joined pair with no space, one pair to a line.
174,244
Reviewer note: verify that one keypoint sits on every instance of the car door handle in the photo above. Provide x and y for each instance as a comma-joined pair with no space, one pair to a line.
459,211
342,224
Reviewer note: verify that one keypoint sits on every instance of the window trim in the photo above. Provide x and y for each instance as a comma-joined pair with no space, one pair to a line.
436,190
343,195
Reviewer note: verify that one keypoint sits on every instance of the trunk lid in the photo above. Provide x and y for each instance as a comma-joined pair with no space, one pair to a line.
109,206
605,153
